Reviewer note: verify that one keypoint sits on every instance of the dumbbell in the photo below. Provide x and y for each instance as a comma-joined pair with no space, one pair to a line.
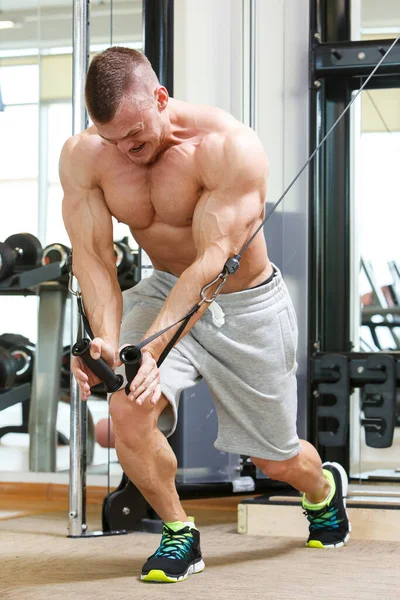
56,253
8,368
124,258
23,352
19,252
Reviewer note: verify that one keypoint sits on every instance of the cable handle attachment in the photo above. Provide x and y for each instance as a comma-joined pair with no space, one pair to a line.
99,367
131,356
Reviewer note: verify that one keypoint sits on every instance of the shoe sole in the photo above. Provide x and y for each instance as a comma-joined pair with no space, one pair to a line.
158,576
345,487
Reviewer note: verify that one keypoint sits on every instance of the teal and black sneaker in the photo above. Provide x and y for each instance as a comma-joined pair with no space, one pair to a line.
178,556
329,523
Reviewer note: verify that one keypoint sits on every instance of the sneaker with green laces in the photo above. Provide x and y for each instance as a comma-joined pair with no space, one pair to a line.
329,523
178,555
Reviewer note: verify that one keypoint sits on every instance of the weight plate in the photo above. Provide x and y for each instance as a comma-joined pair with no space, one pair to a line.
24,364
56,253
28,249
7,259
124,258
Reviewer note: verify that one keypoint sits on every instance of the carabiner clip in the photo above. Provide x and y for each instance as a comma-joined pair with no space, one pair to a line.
223,277
70,286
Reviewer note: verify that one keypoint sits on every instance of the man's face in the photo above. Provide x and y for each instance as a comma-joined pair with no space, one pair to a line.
136,132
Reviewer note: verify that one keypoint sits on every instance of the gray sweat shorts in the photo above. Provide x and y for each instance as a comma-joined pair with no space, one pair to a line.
244,348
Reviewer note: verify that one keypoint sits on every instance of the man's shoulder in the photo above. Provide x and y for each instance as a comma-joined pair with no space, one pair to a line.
85,143
237,147
226,133
80,153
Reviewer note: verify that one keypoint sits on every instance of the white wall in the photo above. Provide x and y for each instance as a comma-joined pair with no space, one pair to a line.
382,14
209,69
207,53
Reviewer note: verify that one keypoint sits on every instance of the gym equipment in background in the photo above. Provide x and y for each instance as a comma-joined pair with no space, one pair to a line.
8,368
124,258
22,274
56,253
381,311
127,263
16,366
17,358
19,252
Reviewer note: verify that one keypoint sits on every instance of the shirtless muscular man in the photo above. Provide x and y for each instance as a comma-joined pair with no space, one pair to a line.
190,182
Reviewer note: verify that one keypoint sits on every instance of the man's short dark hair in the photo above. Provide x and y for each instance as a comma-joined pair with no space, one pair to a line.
111,73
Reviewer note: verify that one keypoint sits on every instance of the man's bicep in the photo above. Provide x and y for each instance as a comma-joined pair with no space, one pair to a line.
234,173
224,220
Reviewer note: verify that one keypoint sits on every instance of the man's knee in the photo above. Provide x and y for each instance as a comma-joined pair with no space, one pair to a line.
132,422
275,469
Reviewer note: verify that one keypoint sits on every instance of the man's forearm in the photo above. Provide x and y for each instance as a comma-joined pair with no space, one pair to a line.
105,319
182,298
102,301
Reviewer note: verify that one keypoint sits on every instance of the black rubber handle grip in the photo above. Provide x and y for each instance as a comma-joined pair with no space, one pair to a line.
131,356
112,382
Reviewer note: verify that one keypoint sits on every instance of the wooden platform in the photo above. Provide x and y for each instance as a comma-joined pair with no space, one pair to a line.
373,516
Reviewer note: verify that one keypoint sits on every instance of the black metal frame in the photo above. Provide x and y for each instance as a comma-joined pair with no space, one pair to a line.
158,39
338,66
378,377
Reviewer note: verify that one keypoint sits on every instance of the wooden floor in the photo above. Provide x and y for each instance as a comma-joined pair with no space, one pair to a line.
24,499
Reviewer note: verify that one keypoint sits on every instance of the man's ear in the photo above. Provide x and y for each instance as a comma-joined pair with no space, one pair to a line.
162,98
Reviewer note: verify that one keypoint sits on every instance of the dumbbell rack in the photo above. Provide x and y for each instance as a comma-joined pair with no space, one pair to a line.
44,282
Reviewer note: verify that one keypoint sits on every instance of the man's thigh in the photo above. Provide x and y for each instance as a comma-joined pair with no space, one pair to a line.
251,372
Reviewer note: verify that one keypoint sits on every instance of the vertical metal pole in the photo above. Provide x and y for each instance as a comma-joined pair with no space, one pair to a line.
329,247
158,39
158,46
252,65
80,64
315,235
77,471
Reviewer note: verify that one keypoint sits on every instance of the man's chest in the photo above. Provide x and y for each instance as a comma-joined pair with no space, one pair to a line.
165,192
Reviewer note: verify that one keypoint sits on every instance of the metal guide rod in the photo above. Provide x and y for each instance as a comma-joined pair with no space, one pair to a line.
252,65
77,469
77,474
